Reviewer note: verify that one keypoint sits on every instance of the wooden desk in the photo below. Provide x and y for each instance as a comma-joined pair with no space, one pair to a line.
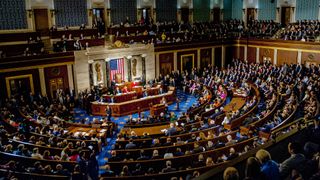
235,104
136,92
89,132
155,110
153,130
130,107
119,98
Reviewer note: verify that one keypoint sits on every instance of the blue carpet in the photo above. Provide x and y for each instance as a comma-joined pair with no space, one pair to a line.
186,101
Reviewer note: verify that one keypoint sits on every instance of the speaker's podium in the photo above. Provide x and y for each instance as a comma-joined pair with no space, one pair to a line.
155,110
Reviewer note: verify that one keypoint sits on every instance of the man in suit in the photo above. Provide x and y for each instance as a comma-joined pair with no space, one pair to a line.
130,145
168,167
172,130
109,113
145,93
117,91
295,161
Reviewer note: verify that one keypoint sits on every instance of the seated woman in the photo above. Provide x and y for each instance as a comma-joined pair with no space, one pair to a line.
125,89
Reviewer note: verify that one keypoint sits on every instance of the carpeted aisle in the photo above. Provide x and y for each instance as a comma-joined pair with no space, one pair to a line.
186,101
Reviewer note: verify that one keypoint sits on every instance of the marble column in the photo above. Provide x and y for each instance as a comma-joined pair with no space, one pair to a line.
129,69
257,55
175,61
275,58
42,82
105,72
198,59
299,61
212,56
70,77
245,53
223,56
108,17
143,63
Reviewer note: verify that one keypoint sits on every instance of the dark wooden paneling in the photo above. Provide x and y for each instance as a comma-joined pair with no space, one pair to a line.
282,44
252,54
166,63
35,76
56,72
193,52
310,57
217,57
228,55
24,61
238,52
41,21
266,53
288,57
21,36
205,57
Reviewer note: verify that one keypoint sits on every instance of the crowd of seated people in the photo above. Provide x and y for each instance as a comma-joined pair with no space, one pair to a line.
264,75
33,47
173,32
303,163
261,28
303,30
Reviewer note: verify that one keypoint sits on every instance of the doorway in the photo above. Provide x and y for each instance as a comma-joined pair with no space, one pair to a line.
41,21
250,14
216,15
185,15
98,19
285,15
146,15
55,84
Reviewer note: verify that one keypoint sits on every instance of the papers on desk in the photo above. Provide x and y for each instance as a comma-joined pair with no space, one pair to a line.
77,134
164,130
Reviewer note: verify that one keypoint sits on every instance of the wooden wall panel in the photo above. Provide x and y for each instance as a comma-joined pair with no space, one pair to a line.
310,57
228,55
54,73
166,63
288,57
182,54
33,72
266,53
205,57
238,52
217,57
252,54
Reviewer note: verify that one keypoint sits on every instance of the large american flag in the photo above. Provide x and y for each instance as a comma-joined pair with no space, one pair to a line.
116,67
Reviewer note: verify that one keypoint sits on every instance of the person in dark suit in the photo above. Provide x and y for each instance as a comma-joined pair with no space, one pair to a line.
168,167
145,93
130,145
117,91
109,113
114,157
172,130
295,161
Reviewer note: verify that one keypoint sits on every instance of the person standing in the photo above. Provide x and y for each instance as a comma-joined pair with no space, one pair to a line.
109,113
178,103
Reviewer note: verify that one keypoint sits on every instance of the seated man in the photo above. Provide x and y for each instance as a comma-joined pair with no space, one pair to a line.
171,130
130,145
145,93
117,91
168,167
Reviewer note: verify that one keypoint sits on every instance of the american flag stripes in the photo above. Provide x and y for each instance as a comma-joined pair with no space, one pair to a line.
116,67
